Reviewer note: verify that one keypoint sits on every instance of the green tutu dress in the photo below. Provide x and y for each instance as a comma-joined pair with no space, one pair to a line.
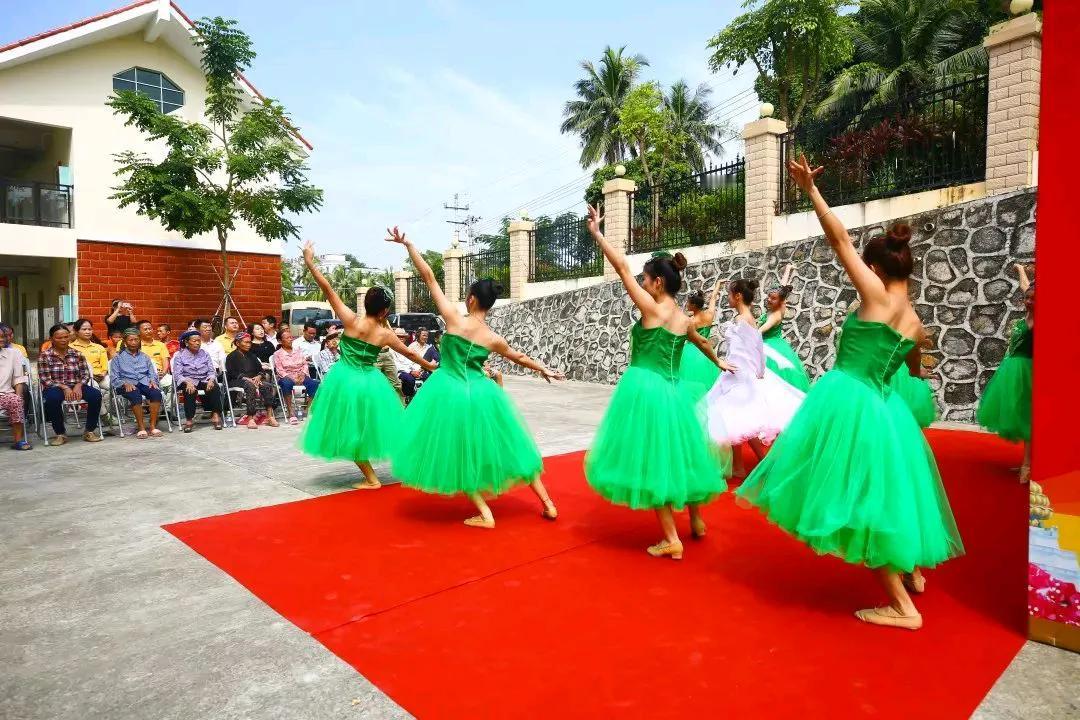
852,474
651,448
356,413
916,394
697,372
461,433
782,359
1005,407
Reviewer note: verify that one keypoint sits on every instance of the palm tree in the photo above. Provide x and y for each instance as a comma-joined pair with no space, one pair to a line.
595,114
691,124
904,46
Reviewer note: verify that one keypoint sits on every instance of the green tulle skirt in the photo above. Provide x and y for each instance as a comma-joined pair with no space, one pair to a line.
917,395
1005,407
697,373
794,374
463,435
651,448
853,476
355,416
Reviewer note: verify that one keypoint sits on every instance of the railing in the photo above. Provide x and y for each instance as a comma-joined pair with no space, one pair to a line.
563,249
486,264
696,210
35,203
921,142
419,296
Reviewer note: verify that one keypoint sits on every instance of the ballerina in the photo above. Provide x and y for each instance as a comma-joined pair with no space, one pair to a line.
1005,407
356,413
650,450
696,371
853,475
780,357
751,405
461,433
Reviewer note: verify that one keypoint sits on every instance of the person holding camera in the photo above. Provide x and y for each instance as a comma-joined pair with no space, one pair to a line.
121,318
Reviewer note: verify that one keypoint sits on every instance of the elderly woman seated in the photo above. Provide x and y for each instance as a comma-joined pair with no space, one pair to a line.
243,369
193,370
133,375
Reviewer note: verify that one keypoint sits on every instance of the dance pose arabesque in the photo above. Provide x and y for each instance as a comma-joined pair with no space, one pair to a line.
780,357
356,415
461,434
852,474
651,451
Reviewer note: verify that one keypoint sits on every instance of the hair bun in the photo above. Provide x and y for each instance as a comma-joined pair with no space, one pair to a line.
497,287
898,237
754,284
679,261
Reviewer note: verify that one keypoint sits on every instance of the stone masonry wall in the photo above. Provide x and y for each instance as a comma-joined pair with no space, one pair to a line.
964,289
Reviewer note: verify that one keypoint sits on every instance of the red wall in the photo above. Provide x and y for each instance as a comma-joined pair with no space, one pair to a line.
172,285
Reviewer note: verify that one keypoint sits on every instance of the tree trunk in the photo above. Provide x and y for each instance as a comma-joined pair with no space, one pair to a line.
226,278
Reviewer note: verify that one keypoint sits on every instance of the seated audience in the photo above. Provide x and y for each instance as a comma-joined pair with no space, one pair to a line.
385,362
329,353
229,331
157,352
163,334
292,369
408,371
308,344
13,382
269,325
115,343
133,375
260,343
244,370
421,344
9,332
210,345
194,370
65,377
97,357
121,318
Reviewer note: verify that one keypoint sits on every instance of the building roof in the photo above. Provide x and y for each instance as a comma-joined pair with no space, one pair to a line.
156,19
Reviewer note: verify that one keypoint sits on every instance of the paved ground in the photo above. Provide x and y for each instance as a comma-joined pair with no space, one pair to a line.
104,615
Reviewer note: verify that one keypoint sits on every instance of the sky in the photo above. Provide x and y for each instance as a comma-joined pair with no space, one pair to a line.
408,103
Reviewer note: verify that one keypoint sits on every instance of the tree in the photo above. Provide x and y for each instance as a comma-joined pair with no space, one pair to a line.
791,43
689,118
500,241
242,165
433,258
595,114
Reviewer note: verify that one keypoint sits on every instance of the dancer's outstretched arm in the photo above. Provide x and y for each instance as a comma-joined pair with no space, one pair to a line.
517,357
343,311
1025,282
869,286
444,306
714,298
775,317
617,258
702,343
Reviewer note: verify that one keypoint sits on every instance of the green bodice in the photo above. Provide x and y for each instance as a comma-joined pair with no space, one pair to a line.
657,349
772,332
356,352
705,331
461,357
1022,340
871,351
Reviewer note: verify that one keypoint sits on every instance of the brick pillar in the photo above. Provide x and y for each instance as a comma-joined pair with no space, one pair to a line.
361,293
519,257
1012,120
616,213
401,291
762,178
452,260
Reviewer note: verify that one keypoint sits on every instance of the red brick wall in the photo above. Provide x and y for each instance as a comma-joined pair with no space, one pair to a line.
172,285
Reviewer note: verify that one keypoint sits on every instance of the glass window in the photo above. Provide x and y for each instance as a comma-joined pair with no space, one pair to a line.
152,84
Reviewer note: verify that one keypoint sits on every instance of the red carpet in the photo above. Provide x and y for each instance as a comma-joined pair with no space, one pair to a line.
572,619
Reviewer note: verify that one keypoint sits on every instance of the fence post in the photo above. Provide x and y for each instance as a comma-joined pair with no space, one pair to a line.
401,291
452,259
762,178
519,257
1014,48
617,229
361,293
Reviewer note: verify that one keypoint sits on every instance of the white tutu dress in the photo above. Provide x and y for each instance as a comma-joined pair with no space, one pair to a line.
752,402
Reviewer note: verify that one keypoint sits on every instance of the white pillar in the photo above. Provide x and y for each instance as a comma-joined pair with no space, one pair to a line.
401,291
1012,114
617,192
520,232
762,178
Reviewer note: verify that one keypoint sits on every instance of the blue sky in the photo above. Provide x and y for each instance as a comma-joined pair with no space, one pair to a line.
408,103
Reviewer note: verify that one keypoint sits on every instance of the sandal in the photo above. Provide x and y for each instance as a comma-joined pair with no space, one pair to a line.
889,617
293,420
252,424
155,433
91,437
141,435
550,511
666,549
22,445
481,522
58,440
188,426
272,422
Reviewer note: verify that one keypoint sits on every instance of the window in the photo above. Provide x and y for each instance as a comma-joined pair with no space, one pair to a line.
153,85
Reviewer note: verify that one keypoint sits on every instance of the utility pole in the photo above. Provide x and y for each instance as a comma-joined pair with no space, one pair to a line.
466,222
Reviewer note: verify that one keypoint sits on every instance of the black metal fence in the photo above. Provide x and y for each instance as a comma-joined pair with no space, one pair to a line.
920,142
562,249
35,203
698,210
419,296
493,264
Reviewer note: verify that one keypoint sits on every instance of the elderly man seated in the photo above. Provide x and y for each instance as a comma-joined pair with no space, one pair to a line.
13,381
291,367
132,374
193,370
65,377
408,371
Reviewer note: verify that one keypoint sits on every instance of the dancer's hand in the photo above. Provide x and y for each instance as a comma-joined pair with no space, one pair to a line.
925,373
594,220
309,252
549,374
725,365
802,174
396,236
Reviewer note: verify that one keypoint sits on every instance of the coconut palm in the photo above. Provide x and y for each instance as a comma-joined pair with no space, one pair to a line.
904,46
689,117
594,115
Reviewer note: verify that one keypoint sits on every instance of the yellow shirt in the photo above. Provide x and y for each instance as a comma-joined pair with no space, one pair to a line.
158,353
20,348
226,343
96,356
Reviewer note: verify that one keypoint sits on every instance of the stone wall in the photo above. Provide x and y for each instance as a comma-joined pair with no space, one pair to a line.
964,289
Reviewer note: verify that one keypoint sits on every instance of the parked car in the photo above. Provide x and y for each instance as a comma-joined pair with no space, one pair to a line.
412,322
295,314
